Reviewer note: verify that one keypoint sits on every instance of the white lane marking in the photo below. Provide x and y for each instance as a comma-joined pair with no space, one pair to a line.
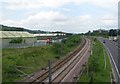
111,66
112,60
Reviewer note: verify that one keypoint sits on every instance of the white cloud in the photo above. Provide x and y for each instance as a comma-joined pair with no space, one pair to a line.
28,4
51,21
44,19
101,3
55,20
10,22
107,21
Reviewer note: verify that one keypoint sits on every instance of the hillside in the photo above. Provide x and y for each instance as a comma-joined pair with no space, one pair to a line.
8,28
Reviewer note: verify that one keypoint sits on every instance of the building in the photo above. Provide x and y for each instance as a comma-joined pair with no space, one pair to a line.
6,37
52,34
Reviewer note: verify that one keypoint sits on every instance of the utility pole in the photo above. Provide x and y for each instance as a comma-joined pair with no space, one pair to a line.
49,74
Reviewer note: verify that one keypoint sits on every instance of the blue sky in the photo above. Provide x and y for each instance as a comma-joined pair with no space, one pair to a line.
58,15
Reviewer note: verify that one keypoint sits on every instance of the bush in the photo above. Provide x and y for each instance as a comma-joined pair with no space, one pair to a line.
66,45
35,57
56,48
16,40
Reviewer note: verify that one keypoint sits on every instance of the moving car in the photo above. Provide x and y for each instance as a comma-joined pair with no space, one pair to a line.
104,41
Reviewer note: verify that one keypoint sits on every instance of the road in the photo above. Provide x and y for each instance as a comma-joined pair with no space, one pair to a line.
113,50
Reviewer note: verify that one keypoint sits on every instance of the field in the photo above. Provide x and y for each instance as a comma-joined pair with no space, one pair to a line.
17,63
97,70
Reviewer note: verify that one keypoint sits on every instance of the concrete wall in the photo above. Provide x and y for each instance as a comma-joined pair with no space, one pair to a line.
29,40
5,42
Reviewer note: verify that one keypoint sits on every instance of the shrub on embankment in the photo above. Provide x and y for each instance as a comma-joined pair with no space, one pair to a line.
66,46
19,62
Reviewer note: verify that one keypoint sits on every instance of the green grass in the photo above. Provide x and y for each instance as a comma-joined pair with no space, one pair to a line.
96,62
33,58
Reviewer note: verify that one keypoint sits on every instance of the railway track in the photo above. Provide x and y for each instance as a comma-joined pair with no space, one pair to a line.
60,69
60,75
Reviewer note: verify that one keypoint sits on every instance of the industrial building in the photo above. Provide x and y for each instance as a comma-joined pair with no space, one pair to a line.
52,34
7,36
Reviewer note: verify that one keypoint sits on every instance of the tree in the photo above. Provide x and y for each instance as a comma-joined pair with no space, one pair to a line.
113,32
118,31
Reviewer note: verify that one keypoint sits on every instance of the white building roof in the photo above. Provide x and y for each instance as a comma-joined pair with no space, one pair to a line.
13,34
53,34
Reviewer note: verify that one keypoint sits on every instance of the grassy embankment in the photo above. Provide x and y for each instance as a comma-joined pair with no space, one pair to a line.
95,70
30,59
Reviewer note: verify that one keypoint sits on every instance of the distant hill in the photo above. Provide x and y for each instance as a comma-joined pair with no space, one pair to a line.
63,32
8,28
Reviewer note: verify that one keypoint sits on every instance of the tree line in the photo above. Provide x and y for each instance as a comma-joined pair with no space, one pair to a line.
104,33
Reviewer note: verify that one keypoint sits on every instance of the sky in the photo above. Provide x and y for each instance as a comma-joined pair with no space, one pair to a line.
74,16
